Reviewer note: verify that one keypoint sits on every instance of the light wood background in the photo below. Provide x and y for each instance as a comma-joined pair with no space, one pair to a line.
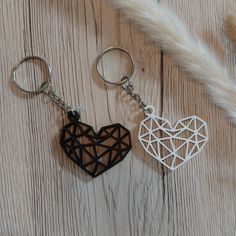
43,193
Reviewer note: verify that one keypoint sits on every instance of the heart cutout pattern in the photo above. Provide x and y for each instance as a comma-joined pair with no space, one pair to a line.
95,152
173,146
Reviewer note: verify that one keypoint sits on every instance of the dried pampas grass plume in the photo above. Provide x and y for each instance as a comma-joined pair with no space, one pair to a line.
194,56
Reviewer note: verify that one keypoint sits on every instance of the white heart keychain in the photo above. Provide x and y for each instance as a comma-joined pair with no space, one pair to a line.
171,145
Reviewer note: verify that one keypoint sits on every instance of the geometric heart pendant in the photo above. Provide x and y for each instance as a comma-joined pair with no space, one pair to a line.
173,145
95,152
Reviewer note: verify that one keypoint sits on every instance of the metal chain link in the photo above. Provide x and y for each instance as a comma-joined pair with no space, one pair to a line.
49,91
129,88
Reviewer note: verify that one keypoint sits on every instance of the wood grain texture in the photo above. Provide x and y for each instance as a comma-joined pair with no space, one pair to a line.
44,193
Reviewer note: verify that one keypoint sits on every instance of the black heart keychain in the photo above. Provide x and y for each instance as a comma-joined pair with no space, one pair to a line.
94,152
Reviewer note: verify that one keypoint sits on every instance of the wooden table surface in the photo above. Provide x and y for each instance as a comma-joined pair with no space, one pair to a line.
43,192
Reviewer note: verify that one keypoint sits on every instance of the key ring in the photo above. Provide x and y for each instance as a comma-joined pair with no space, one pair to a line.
125,79
94,152
44,84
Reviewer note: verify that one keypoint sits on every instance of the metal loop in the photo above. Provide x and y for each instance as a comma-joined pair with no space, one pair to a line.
125,79
44,84
149,110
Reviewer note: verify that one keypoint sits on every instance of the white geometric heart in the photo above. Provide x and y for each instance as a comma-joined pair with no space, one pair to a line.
173,146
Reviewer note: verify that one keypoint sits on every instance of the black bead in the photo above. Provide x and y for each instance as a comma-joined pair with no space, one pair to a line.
73,115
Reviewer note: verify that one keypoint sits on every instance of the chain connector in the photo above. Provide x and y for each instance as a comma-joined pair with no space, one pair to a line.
129,88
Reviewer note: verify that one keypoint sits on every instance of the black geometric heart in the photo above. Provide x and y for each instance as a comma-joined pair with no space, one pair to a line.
95,152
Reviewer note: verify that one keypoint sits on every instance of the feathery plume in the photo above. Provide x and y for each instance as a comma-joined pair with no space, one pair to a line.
193,55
